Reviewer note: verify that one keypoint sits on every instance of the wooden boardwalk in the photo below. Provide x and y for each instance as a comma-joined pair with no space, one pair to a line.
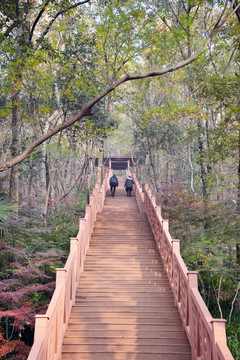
124,307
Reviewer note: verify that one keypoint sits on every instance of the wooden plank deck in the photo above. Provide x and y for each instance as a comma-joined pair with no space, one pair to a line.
124,307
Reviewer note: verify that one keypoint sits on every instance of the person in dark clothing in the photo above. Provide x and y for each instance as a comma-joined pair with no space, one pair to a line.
113,182
129,185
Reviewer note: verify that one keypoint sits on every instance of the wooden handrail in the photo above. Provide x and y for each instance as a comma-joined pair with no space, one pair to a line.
50,327
207,336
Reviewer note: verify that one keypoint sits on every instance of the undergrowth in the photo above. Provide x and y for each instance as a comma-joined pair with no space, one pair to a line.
31,250
209,234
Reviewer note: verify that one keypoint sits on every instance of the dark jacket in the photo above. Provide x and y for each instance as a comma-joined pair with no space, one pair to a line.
129,183
113,181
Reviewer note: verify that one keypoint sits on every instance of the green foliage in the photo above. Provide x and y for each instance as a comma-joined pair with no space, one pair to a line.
233,336
57,59
31,252
209,236
6,209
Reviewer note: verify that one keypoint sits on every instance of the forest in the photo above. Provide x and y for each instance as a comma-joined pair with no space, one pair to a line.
158,80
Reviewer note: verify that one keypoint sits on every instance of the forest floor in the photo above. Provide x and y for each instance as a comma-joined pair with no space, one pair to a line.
209,235
32,249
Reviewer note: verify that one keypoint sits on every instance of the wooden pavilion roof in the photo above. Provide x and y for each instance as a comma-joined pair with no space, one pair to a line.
118,162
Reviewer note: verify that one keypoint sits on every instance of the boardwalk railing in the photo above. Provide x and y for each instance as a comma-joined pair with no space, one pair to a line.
207,336
50,327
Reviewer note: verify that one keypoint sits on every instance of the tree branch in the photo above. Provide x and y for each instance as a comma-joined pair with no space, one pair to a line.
86,109
9,29
37,19
233,302
57,15
238,10
223,19
85,164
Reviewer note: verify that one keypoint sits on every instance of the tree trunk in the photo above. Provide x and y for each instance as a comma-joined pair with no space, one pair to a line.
100,161
209,167
14,175
238,253
30,183
41,179
238,188
1,155
46,202
238,196
88,181
47,172
152,164
203,177
167,171
202,167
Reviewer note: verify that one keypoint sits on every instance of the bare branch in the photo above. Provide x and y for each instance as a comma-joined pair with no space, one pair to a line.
173,12
9,29
238,10
223,19
58,14
87,108
85,165
218,297
230,59
220,18
37,19
233,302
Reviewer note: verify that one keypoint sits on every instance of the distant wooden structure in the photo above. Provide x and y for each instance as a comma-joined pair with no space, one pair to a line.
118,162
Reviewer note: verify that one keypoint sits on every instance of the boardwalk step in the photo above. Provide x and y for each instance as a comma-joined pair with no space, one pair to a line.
123,320
126,340
124,307
125,356
138,334
140,327
105,348
82,309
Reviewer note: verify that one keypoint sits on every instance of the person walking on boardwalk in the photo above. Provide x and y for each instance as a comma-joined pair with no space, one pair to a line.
129,185
113,183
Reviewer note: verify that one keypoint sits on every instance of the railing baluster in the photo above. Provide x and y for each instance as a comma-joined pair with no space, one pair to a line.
50,327
206,335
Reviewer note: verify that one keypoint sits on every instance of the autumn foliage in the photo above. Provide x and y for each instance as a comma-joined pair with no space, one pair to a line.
30,253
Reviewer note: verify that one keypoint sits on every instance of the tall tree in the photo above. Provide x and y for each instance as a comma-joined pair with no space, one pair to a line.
150,25
24,28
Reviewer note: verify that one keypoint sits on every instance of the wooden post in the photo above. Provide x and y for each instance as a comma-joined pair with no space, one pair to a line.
192,277
158,211
74,249
175,250
219,335
61,274
165,224
89,222
149,191
41,322
153,200
82,226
